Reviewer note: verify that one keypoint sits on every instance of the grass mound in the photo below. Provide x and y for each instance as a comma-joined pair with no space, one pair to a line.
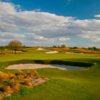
12,82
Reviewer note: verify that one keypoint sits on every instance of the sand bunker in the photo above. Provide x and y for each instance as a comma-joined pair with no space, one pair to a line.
52,52
37,66
40,49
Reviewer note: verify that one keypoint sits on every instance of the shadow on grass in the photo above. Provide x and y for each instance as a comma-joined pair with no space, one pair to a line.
60,62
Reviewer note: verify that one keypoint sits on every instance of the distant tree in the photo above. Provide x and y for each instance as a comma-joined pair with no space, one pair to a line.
54,46
15,45
93,48
2,48
63,46
75,47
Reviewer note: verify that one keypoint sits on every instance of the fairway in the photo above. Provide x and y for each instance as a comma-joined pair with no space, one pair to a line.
81,84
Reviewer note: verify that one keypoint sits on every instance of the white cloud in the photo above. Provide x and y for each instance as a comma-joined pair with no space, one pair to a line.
7,8
98,16
63,39
44,26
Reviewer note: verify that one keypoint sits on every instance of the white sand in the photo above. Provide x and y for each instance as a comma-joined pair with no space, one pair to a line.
37,66
52,52
40,49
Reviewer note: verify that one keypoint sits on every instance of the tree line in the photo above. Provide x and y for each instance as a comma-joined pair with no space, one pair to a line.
16,46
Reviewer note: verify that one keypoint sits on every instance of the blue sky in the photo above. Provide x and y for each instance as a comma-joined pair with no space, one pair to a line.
50,22
76,8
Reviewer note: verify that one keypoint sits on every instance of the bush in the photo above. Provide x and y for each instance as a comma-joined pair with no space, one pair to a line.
9,82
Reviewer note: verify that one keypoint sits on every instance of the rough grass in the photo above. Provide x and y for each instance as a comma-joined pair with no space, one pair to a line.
65,85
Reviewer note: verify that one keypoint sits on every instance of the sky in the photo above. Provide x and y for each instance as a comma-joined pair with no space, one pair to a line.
50,22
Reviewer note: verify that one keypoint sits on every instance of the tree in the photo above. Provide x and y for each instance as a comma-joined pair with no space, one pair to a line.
15,45
93,48
2,48
63,46
54,46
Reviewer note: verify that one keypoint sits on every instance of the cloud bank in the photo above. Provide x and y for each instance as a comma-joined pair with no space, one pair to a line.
44,28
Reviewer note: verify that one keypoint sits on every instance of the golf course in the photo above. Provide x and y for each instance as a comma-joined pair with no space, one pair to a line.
83,84
49,49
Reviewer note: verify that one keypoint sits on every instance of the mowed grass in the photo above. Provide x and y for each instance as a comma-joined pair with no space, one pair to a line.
64,85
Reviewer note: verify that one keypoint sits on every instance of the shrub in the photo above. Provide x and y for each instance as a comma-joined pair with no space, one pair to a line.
9,83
